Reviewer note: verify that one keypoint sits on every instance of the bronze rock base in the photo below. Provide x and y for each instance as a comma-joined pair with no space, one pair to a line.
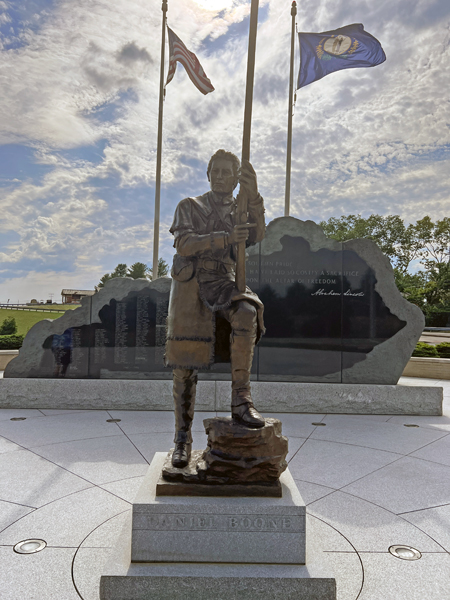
188,482
239,461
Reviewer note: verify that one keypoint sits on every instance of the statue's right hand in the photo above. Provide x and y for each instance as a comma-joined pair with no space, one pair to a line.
240,233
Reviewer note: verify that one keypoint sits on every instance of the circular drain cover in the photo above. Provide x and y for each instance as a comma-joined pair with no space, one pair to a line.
29,546
319,424
18,419
113,420
405,552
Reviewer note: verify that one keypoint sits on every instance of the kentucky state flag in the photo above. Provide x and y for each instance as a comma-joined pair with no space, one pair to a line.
343,48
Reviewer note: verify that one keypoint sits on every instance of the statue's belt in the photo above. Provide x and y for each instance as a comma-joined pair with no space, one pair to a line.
208,264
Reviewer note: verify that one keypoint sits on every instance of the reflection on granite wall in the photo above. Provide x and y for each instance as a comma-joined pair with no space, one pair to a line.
332,310
117,334
332,313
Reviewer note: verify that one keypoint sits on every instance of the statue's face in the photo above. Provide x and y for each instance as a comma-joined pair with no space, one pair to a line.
222,177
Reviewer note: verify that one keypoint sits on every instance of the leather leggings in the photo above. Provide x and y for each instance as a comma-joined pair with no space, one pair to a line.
242,316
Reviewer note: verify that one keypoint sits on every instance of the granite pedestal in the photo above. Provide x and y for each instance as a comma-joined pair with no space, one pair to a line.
226,548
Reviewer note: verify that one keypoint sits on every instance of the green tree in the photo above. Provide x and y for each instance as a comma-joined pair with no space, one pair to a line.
434,254
119,271
9,326
433,240
395,239
163,268
425,241
136,271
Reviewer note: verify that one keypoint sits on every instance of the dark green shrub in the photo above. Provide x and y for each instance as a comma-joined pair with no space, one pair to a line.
436,317
9,326
443,349
11,342
423,349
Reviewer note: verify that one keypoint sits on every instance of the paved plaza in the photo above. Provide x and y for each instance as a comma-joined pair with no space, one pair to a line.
370,482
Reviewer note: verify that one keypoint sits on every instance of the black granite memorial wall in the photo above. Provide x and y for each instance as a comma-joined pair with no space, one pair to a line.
128,343
323,312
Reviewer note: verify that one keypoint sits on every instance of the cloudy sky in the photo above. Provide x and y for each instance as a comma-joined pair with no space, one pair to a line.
79,101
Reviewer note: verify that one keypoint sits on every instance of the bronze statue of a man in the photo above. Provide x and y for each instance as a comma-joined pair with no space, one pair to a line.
204,300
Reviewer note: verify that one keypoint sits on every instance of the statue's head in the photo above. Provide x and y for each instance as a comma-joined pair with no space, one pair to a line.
223,172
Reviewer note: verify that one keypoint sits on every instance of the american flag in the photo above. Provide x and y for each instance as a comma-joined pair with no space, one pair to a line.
179,52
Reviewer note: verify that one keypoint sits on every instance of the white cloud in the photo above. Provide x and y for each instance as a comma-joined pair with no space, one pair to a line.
365,140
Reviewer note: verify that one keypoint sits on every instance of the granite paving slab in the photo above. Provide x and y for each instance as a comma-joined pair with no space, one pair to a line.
381,436
335,465
99,460
438,451
435,521
8,413
312,491
296,425
368,527
135,422
439,423
124,488
407,484
347,569
387,577
67,521
148,444
52,412
61,428
331,539
7,446
105,534
368,418
294,445
11,512
344,561
33,481
44,575
88,566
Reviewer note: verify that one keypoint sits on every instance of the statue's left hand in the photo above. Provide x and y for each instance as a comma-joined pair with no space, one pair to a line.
247,180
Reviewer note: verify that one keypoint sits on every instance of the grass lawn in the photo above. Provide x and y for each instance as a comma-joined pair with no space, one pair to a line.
26,319
63,307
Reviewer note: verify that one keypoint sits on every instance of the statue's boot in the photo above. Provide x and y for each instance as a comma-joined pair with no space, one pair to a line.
184,388
242,409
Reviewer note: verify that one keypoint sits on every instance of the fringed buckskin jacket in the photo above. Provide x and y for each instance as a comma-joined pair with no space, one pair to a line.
203,280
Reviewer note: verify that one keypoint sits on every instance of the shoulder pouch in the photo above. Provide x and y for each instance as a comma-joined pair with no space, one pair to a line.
183,268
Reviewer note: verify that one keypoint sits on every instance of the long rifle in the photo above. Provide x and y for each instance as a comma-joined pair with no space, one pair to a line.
242,196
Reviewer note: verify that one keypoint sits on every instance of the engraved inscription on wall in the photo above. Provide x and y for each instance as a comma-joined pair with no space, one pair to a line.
142,327
237,523
100,341
120,345
287,272
162,308
78,354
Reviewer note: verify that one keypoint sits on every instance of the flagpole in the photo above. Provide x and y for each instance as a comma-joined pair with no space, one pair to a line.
287,195
159,147
241,197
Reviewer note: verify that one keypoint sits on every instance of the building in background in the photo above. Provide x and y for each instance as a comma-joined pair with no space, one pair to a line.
71,296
